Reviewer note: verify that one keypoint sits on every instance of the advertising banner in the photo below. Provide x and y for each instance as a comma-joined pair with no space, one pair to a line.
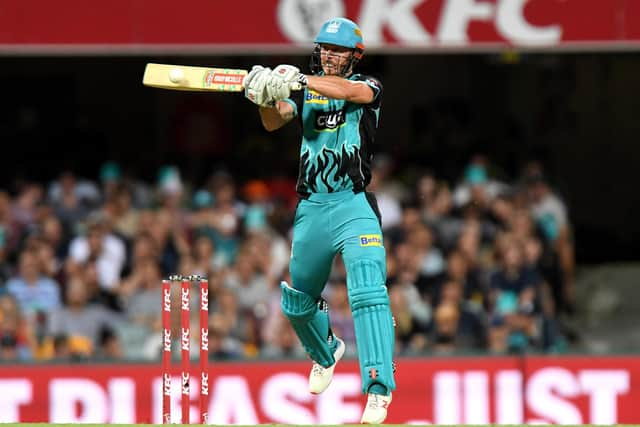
502,390
142,26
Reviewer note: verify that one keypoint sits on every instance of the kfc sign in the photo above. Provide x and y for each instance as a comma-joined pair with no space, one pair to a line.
507,390
395,25
301,20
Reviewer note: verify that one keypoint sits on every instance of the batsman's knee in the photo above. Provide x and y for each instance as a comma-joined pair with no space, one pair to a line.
297,305
310,323
365,280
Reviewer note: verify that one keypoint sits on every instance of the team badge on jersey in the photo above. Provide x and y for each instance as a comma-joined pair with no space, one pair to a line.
373,82
314,97
370,240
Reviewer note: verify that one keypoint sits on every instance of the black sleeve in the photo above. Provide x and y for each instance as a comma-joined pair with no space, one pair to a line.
375,85
297,100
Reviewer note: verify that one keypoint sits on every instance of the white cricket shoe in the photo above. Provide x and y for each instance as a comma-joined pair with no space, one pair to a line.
320,377
375,411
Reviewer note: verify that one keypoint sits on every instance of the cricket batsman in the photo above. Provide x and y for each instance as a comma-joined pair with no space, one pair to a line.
338,111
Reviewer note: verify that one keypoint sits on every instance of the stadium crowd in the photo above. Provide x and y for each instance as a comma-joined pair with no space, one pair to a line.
477,265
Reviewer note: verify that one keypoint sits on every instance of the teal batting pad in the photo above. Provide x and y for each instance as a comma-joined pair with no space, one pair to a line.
375,335
310,323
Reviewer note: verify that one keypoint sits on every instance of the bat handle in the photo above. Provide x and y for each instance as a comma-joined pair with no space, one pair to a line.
292,86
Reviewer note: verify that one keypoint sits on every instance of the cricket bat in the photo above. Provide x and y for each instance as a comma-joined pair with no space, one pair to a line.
196,79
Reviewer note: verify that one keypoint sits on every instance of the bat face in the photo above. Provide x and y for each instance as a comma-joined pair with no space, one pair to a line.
198,79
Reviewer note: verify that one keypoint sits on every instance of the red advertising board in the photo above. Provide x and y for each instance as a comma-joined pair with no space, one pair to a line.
393,25
504,390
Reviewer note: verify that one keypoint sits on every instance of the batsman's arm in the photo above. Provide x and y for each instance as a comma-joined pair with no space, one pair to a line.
274,118
339,88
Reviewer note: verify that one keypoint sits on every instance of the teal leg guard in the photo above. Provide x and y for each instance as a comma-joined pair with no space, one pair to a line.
375,335
310,323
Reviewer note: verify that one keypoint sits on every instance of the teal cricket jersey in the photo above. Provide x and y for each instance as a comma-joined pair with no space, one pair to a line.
337,140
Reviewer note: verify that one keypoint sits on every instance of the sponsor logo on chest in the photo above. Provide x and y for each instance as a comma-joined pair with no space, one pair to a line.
313,97
329,120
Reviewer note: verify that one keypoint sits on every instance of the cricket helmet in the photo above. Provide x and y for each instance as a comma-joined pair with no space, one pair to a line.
340,32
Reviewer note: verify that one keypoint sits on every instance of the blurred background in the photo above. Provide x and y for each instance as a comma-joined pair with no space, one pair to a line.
504,172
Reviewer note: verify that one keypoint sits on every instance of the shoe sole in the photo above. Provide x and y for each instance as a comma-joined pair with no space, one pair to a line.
337,356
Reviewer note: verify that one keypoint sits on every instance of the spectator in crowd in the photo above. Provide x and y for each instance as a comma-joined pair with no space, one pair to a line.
110,179
410,333
238,325
26,203
421,240
10,230
250,287
169,235
141,296
223,346
100,247
80,321
225,218
426,190
438,214
33,291
388,194
121,213
203,256
515,291
109,345
446,320
410,219
113,178
458,324
477,188
15,339
52,233
550,213
61,351
72,199
458,270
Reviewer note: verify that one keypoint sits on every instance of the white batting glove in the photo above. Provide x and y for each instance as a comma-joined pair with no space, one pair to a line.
277,89
290,74
255,86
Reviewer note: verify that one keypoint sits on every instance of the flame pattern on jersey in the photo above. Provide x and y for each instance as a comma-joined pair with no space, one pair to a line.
330,168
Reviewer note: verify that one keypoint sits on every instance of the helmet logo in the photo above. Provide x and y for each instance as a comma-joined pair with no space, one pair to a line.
333,27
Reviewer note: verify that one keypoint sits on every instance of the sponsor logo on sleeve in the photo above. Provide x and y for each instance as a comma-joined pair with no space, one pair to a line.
370,240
